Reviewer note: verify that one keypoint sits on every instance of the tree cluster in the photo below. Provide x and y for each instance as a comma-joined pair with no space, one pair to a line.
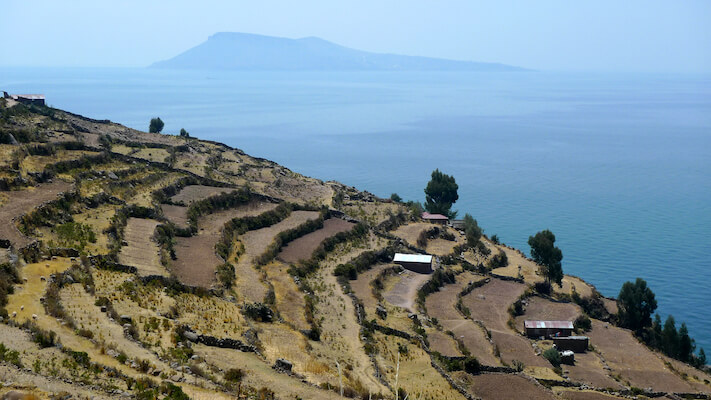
441,194
545,253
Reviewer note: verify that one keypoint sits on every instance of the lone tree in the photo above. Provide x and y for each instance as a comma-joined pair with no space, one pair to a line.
441,193
156,125
472,231
545,253
636,303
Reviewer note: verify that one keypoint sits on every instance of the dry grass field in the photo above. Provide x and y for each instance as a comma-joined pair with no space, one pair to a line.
303,247
289,299
411,231
142,252
33,164
415,371
590,370
21,202
374,213
363,289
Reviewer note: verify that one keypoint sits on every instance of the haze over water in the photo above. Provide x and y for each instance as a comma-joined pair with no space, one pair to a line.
617,166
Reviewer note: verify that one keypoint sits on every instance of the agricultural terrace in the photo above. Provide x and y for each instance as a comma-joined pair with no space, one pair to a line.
635,364
303,247
503,387
537,308
442,306
193,193
248,283
489,304
20,202
141,251
178,215
196,257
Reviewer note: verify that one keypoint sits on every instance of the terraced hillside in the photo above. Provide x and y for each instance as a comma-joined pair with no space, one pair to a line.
138,265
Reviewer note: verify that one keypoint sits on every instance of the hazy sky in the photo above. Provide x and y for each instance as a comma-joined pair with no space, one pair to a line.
610,35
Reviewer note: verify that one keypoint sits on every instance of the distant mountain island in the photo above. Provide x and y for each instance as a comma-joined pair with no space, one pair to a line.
244,51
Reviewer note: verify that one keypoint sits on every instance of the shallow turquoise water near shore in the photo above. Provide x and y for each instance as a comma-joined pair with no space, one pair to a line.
617,166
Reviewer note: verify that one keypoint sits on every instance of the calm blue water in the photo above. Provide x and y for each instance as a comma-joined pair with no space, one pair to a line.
617,166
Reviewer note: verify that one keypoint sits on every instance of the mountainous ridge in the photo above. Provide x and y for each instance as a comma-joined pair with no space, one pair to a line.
244,51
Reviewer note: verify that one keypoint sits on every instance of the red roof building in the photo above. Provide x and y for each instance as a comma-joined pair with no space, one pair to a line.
435,218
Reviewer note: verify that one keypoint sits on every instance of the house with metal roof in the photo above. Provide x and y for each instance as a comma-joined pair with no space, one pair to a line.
420,263
434,218
577,344
548,328
37,99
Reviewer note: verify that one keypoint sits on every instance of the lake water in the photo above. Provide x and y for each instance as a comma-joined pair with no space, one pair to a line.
617,166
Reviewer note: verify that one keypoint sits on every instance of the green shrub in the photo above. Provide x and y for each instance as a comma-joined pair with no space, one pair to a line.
234,375
258,312
553,356
226,274
582,323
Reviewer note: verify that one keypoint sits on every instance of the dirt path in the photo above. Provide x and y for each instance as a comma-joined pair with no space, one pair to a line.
404,292
142,252
23,201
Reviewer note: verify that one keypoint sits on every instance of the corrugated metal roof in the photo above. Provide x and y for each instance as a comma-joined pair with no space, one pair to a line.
548,324
426,215
572,338
418,258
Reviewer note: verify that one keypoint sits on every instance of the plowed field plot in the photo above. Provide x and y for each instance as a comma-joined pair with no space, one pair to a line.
21,202
540,309
303,247
503,387
176,214
196,256
633,361
442,305
573,394
443,344
404,292
490,303
589,369
142,252
248,280
198,192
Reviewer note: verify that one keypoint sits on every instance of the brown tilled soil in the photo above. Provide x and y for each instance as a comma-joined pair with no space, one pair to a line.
502,387
441,305
633,361
198,192
443,343
573,394
303,247
142,252
490,303
23,201
589,369
541,309
176,214
248,283
196,256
